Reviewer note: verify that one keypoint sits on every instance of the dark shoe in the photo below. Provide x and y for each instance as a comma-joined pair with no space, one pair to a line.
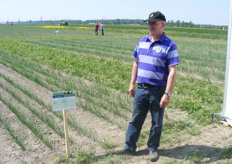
153,156
122,151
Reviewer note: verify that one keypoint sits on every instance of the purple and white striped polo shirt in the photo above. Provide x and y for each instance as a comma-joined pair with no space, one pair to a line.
154,60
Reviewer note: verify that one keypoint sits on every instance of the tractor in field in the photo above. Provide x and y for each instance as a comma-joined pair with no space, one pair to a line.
63,23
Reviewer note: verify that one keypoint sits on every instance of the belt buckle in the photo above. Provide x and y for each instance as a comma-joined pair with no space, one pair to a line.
144,85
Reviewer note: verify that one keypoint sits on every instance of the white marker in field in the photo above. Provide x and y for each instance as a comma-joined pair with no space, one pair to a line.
227,102
63,101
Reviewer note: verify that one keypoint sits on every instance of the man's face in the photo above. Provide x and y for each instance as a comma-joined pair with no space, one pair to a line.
156,27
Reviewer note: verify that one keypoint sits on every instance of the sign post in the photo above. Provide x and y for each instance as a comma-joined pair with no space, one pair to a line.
63,101
66,133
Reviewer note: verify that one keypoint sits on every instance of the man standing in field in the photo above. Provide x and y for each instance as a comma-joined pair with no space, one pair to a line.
154,70
96,28
102,28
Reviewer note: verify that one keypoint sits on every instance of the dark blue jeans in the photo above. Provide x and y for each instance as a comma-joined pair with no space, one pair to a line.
146,99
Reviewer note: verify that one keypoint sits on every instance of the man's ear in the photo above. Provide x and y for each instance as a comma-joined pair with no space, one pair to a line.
163,24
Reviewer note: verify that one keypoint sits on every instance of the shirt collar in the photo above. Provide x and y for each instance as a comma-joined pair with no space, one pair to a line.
161,39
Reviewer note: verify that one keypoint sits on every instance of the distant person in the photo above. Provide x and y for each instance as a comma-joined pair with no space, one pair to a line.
102,28
154,70
96,28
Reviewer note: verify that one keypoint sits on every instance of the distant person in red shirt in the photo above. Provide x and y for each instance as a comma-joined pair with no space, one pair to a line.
96,28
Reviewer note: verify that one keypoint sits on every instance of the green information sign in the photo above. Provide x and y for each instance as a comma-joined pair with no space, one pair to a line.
63,100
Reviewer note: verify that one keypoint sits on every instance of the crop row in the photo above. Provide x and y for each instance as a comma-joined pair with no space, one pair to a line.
23,117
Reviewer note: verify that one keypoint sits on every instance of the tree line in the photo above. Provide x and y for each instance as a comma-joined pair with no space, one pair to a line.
171,23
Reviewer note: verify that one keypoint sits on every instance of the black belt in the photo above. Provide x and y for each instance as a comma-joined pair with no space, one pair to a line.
146,85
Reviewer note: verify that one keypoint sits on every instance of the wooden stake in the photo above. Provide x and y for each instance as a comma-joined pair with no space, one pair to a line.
66,133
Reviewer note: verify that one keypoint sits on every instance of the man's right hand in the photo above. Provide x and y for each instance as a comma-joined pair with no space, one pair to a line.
132,90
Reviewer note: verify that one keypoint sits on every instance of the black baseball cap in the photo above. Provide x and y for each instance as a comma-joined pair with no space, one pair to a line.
155,16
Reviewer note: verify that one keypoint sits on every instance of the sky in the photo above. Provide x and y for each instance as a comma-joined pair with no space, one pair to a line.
214,12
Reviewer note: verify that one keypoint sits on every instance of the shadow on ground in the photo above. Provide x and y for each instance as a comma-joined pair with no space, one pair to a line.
197,153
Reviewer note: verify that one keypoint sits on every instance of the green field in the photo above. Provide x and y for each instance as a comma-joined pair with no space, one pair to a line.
107,60
103,65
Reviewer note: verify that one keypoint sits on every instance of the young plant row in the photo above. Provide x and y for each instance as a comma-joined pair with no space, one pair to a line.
12,133
205,58
29,123
47,119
